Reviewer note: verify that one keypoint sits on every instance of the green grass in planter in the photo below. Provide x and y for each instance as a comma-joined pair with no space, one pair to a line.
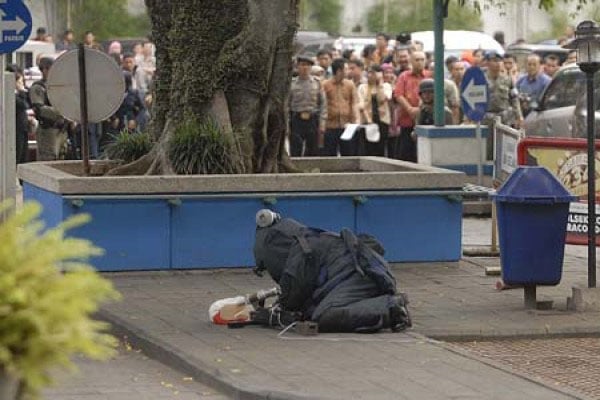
129,146
200,147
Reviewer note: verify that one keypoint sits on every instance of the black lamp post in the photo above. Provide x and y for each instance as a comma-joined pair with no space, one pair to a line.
587,44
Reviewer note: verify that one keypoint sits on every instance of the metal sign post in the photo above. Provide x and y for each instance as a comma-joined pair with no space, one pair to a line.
591,175
480,161
85,147
474,97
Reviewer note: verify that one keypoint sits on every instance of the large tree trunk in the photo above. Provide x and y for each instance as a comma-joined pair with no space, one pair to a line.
227,59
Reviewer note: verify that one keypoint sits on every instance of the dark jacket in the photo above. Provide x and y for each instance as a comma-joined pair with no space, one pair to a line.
324,275
22,125
132,104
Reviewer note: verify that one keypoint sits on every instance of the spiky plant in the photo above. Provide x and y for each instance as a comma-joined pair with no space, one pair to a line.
200,147
47,296
128,146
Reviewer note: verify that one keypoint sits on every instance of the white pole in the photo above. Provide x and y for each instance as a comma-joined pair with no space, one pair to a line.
480,151
8,178
3,161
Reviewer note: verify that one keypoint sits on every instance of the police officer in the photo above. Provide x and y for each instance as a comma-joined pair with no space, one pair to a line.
51,135
308,110
504,99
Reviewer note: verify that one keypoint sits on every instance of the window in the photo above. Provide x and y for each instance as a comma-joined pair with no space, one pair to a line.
564,89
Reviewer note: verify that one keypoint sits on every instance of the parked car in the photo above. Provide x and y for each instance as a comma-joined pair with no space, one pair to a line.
356,43
562,109
548,41
310,42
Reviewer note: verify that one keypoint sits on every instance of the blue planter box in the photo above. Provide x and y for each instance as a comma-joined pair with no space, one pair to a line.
196,229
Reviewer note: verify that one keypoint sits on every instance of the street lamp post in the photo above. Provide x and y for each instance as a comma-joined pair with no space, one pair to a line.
587,44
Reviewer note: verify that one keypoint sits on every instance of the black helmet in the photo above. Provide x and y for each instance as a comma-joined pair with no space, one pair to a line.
426,85
45,63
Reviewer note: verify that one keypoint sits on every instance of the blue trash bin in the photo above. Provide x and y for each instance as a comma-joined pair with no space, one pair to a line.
532,208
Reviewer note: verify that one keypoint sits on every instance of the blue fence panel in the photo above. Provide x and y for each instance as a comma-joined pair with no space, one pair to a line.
133,233
413,228
52,203
329,213
212,233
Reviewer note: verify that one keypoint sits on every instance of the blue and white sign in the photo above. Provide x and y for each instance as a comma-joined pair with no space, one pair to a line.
15,25
474,94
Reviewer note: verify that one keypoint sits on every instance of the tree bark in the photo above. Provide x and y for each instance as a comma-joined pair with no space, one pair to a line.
229,60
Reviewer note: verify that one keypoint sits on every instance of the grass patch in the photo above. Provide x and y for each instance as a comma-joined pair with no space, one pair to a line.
201,147
129,146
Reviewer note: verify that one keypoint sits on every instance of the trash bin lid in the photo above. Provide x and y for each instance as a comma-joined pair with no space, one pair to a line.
533,185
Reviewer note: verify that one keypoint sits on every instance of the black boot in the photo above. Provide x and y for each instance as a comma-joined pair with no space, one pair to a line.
399,315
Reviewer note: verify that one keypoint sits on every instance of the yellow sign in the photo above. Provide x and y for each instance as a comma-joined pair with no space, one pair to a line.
568,165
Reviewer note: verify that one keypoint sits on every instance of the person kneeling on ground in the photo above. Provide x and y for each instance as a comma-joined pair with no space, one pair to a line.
341,281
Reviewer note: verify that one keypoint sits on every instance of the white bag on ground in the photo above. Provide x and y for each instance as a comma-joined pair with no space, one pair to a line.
232,309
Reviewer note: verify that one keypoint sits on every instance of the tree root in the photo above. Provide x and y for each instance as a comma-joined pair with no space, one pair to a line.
286,165
137,167
156,162
161,164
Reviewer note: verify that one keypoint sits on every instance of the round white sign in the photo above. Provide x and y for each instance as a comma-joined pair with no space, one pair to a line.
105,85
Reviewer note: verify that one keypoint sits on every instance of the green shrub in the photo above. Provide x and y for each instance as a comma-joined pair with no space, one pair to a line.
129,146
202,148
47,294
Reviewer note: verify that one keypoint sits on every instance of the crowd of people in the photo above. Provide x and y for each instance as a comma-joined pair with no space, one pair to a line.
387,88
393,88
59,138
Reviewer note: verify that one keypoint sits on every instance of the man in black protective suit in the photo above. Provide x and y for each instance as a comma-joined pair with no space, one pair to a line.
340,281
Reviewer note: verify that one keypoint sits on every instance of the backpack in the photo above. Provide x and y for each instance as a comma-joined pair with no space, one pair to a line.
293,255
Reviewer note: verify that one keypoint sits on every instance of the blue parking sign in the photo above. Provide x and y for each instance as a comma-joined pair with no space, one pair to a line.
15,25
474,94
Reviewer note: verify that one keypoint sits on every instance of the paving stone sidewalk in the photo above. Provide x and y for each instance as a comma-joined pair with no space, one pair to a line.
130,375
165,313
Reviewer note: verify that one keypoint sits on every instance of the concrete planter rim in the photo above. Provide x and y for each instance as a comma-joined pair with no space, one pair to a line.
366,174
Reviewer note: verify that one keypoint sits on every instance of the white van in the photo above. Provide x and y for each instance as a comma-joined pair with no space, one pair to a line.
455,42
27,56
356,43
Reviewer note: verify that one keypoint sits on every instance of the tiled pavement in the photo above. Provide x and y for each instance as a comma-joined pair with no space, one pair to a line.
130,375
165,313
567,362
